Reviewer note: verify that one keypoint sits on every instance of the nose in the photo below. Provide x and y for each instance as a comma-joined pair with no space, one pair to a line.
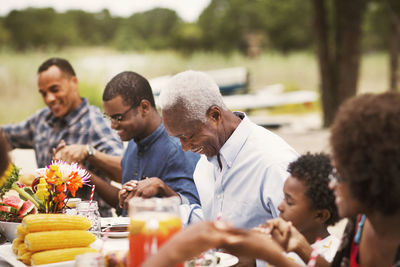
280,207
49,98
114,124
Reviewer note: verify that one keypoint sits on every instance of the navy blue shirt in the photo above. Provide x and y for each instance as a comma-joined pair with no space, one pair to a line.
160,155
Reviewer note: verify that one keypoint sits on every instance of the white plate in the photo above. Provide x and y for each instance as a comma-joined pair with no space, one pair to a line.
116,234
226,259
108,221
7,255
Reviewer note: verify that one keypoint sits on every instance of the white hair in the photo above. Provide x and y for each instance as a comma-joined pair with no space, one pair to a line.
195,91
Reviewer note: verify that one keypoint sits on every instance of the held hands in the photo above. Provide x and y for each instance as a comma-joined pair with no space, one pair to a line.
70,153
284,233
146,188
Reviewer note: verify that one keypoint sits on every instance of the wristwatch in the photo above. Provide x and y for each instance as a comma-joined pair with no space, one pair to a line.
90,150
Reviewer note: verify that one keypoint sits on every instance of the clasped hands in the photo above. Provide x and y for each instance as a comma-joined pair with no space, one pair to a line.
146,188
70,153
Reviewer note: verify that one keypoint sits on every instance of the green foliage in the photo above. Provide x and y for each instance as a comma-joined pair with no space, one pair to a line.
92,92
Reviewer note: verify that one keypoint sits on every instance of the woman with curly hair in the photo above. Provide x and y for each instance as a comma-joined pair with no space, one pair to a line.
365,140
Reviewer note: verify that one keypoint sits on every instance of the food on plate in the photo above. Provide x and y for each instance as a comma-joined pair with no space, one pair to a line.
55,222
58,236
58,239
57,255
116,259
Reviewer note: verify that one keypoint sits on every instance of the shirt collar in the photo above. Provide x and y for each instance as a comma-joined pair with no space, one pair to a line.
235,142
72,117
146,142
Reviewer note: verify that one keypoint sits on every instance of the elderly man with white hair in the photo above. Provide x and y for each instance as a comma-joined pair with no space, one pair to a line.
243,166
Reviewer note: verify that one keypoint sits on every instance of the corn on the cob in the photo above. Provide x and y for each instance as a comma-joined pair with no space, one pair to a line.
21,250
21,231
58,239
57,255
55,222
26,257
16,242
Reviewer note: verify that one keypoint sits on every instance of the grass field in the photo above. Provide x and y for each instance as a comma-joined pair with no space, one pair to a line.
96,66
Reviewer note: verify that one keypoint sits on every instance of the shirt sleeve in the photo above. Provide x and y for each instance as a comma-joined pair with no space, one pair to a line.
20,135
179,177
272,189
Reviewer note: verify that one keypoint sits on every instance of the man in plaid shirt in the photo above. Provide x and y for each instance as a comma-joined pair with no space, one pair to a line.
69,120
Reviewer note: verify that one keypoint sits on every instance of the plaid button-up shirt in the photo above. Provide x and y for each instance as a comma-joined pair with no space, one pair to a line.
84,125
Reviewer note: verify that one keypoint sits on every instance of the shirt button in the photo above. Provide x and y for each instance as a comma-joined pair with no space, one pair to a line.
136,174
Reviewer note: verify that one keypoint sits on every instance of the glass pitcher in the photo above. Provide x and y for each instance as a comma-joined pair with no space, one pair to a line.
152,222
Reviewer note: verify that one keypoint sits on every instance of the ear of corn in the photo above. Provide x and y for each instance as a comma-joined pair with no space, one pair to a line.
21,250
16,242
57,255
26,257
55,222
21,231
58,239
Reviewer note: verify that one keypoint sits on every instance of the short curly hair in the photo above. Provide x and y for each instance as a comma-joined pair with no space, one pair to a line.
132,86
313,171
365,140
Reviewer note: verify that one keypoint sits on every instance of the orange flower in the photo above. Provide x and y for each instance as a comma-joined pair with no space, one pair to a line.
60,188
74,183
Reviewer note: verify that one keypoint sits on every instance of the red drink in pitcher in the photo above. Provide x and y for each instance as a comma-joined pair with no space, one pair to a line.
150,228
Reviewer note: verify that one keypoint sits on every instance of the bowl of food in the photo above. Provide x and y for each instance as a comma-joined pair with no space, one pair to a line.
9,230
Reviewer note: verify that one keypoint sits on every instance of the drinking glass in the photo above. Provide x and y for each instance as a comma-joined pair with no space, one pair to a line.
153,221
91,211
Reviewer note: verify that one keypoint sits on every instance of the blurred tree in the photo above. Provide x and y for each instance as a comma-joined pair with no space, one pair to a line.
240,24
187,37
4,34
153,29
382,28
337,25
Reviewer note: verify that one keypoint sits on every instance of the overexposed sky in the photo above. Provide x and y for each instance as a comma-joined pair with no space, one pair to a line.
188,10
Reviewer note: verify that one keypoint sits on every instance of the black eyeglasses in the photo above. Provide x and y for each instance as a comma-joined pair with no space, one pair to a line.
117,118
335,177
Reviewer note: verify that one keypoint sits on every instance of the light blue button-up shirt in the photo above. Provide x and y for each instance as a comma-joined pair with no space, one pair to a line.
249,187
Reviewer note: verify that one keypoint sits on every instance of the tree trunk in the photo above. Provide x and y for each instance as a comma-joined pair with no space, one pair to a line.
394,37
337,27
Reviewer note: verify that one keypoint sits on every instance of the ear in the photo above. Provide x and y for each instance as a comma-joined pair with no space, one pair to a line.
214,113
144,106
322,216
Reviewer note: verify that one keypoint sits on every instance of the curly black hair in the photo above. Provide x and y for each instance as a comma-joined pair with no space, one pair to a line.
313,171
131,86
365,140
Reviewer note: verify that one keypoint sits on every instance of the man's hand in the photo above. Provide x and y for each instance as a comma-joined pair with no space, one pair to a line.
147,188
70,153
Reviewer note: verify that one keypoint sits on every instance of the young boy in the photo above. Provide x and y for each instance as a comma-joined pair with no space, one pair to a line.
309,203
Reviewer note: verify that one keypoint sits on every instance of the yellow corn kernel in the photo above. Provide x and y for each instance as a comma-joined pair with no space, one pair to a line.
54,222
21,250
58,239
57,255
26,257
21,231
16,242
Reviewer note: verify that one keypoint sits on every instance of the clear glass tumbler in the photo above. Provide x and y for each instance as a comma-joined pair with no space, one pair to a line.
91,211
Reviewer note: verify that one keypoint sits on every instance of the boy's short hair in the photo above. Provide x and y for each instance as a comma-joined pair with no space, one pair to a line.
314,170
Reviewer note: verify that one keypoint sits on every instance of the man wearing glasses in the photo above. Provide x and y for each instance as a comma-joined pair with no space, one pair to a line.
69,129
153,163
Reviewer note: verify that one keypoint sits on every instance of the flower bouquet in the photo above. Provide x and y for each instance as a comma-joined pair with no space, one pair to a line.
55,182
48,194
